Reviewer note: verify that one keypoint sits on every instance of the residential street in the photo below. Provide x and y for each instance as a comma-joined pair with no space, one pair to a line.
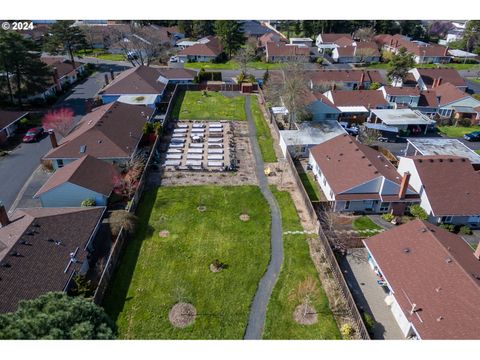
17,167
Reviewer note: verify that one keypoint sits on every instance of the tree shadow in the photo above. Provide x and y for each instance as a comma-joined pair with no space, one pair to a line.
116,294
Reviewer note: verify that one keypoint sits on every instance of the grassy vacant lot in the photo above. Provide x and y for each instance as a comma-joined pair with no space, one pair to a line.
297,267
232,65
363,224
264,137
457,131
194,105
157,272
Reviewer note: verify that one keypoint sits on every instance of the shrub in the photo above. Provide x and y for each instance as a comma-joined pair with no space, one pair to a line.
147,128
417,211
465,230
388,217
465,122
347,331
3,153
122,218
369,322
448,227
375,86
88,202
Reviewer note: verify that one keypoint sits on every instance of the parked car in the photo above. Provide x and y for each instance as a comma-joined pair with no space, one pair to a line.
473,136
174,59
33,135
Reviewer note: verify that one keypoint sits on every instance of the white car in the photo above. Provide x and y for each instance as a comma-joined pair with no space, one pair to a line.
174,59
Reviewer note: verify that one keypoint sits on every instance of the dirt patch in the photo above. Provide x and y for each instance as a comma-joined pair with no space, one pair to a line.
182,314
244,217
202,208
164,233
305,314
214,269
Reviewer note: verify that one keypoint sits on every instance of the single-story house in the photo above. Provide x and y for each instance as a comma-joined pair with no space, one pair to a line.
401,95
84,178
207,49
331,41
356,178
456,103
144,85
448,188
406,120
111,132
441,146
430,78
323,80
8,123
319,107
428,103
41,249
355,105
281,52
358,52
270,36
298,142
301,41
430,277
422,53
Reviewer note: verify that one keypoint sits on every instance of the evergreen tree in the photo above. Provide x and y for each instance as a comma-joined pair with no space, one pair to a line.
65,37
400,64
203,28
230,34
25,73
56,316
186,27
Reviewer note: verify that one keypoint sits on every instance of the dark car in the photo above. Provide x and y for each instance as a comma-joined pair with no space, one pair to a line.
32,135
473,136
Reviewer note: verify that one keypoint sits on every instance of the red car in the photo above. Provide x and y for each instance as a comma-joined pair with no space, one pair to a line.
33,135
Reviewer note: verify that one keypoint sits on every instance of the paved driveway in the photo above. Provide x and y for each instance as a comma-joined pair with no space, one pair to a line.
17,167
369,296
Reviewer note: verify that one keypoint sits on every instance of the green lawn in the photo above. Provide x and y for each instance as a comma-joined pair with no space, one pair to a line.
310,186
297,266
477,80
456,66
157,272
363,224
100,54
264,137
457,131
478,151
232,65
194,105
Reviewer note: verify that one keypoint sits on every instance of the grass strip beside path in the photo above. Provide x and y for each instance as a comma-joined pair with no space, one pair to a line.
264,136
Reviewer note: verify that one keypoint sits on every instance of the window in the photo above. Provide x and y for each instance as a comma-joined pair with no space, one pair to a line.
347,205
384,206
393,98
324,181
60,163
331,193
446,219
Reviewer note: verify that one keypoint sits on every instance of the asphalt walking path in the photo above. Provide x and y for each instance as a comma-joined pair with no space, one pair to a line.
258,310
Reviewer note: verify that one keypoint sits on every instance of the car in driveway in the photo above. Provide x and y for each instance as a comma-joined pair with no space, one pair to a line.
33,135
473,136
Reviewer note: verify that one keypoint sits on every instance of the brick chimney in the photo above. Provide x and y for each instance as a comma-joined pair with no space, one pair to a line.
112,75
446,51
334,87
404,185
106,79
391,42
362,79
4,220
477,252
439,81
53,138
396,44
56,80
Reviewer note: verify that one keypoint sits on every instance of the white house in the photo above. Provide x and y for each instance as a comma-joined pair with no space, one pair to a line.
448,188
357,178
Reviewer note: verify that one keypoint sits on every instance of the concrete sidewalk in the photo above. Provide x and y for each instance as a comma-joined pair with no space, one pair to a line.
34,183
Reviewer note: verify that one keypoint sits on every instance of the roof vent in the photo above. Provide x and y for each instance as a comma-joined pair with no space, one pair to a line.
440,318
420,160
438,289
423,230
25,242
58,243
369,164
448,260
5,265
431,160
441,160
15,253
451,160
463,160
83,148
406,250
341,154
363,156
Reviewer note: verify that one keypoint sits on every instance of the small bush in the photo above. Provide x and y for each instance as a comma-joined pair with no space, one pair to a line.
388,217
121,218
418,212
148,128
347,331
465,230
369,322
464,122
448,227
88,202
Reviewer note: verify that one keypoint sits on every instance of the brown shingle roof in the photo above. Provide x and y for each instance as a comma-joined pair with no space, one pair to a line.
399,91
451,184
9,117
362,49
87,172
282,49
400,41
448,93
211,48
367,98
271,37
448,76
346,163
141,80
435,270
44,238
109,131
428,98
320,76
334,38
177,73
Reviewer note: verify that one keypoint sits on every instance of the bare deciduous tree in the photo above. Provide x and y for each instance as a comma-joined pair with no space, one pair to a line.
245,55
365,34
